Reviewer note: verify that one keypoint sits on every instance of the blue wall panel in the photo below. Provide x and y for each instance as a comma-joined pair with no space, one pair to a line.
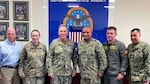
99,15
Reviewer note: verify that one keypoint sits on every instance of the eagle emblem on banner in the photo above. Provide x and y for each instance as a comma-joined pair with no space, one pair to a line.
75,19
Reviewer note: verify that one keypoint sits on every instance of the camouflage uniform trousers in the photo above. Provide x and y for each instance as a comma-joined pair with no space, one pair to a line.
90,80
61,79
33,80
136,82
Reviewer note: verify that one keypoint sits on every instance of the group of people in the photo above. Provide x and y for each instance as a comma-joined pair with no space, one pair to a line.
109,61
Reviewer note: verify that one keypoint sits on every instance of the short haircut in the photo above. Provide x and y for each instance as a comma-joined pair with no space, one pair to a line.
85,27
136,29
62,25
112,28
36,31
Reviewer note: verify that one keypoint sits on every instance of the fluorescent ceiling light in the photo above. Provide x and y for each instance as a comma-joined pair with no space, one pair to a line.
44,7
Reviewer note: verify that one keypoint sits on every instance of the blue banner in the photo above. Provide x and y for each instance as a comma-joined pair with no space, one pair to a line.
76,14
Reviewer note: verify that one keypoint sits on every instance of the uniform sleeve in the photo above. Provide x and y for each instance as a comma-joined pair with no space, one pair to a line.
49,58
45,55
102,57
21,63
74,58
128,67
146,55
79,57
124,58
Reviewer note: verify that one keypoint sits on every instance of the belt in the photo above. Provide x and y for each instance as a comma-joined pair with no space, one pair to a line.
10,66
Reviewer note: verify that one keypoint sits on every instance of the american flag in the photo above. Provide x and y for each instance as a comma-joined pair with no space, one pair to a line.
75,34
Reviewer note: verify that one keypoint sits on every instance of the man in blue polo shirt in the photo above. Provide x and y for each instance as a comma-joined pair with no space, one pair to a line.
9,58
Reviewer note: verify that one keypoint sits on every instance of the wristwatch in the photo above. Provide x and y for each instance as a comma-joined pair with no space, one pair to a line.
123,72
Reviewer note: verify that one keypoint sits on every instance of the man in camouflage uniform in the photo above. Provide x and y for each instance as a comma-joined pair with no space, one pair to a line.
117,58
139,58
58,62
92,58
32,61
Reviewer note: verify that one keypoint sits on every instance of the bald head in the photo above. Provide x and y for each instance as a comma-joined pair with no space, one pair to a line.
86,33
11,34
86,28
10,29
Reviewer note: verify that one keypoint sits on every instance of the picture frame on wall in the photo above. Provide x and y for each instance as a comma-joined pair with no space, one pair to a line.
22,31
3,29
4,10
21,10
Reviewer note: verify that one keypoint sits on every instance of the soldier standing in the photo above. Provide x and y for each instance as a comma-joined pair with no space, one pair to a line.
138,54
92,58
117,58
58,62
32,61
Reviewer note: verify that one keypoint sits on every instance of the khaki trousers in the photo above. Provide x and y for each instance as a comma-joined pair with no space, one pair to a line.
9,76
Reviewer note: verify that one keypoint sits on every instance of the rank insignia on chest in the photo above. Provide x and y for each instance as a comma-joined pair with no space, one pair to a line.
112,47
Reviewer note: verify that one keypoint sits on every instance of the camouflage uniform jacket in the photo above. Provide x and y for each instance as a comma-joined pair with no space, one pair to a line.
60,56
32,60
92,58
138,61
117,58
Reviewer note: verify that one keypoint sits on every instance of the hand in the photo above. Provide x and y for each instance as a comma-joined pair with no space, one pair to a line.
51,75
120,76
73,73
100,75
0,76
22,76
145,81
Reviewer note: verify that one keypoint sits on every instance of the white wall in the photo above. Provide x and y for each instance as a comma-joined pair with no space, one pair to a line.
10,20
129,14
38,18
126,15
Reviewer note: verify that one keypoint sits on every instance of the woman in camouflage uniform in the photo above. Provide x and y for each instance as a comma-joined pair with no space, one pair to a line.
32,61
